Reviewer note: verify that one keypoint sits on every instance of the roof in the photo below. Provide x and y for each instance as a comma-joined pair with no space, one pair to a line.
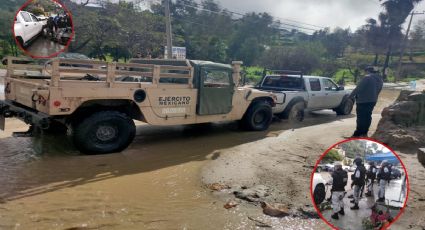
292,75
210,64
389,156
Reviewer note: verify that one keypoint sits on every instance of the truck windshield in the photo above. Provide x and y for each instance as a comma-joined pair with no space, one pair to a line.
283,82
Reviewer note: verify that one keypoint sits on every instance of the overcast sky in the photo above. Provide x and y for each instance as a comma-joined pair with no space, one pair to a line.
332,13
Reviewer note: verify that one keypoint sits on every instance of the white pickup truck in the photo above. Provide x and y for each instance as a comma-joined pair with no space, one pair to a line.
297,93
27,27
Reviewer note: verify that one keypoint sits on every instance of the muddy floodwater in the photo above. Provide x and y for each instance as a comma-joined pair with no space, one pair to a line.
155,184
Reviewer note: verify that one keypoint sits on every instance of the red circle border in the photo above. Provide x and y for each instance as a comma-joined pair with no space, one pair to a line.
348,140
54,54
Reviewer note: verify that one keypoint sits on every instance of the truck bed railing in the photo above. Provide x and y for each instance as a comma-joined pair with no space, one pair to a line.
59,71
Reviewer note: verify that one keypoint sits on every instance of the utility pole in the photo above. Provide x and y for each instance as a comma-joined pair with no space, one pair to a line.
168,30
403,45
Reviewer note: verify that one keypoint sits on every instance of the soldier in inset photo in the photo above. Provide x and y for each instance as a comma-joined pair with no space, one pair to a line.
350,169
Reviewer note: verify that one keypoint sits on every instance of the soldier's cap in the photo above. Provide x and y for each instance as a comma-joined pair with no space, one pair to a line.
358,159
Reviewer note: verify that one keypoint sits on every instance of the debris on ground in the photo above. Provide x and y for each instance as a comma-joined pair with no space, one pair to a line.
309,213
230,204
254,194
325,206
275,210
218,187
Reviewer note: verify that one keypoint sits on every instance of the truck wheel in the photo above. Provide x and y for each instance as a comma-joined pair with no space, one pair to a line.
296,113
345,108
319,194
258,117
104,132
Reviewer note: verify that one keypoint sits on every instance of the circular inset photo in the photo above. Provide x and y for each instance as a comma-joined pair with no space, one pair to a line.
43,28
359,184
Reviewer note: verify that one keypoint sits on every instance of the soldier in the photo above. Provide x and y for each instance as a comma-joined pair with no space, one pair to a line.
358,178
384,175
366,95
339,181
371,176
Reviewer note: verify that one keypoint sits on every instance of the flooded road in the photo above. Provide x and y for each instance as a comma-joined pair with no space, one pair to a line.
155,184
44,47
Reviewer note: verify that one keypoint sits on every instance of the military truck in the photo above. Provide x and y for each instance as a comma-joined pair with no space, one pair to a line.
97,102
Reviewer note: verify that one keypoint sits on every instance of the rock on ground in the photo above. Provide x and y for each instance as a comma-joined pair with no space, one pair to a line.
403,124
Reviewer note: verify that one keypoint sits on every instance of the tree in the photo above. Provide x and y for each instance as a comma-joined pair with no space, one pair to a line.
332,156
246,44
417,38
396,12
335,42
353,148
304,57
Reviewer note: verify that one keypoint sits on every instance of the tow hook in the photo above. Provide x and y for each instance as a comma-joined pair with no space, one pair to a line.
29,133
44,124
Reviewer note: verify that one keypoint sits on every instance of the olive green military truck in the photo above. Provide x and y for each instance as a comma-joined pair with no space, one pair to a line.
97,102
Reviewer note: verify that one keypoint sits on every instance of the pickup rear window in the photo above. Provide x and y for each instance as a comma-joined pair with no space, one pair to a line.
283,82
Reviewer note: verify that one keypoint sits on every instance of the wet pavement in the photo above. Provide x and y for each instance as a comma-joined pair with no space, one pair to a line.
44,47
353,218
155,184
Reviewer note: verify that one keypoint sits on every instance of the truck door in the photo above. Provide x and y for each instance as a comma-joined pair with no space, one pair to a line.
316,95
333,96
27,25
216,90
37,25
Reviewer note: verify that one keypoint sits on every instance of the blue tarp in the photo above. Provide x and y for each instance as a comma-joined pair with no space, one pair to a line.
389,156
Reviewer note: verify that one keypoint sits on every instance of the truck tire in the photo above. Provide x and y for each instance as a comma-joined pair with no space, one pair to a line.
345,108
296,113
258,117
104,132
319,194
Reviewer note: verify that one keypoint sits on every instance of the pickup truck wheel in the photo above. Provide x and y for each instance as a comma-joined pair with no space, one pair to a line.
319,194
345,108
104,132
296,114
258,117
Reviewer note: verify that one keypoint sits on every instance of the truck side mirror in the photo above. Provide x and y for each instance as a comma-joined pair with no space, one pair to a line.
341,87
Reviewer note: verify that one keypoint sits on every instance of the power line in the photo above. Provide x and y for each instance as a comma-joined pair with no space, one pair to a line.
192,20
240,14
284,19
